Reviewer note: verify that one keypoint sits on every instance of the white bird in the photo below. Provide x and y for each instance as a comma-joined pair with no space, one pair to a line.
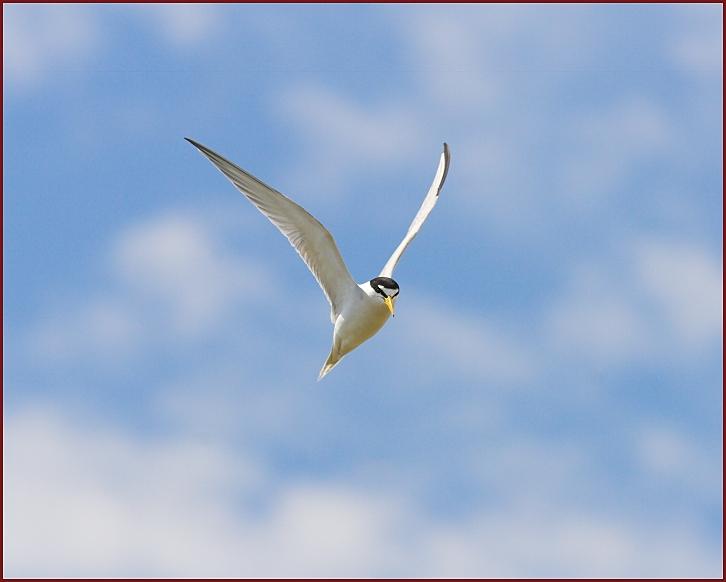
356,311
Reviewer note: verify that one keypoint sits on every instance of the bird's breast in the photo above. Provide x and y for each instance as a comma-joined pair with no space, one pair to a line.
360,321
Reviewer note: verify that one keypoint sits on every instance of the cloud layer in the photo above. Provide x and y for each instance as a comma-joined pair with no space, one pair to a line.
104,503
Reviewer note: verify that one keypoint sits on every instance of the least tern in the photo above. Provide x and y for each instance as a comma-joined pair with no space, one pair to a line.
356,311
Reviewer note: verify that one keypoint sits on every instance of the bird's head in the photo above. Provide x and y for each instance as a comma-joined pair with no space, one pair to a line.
387,289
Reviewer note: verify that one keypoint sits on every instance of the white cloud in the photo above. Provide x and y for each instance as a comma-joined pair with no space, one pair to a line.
105,328
467,59
701,54
341,136
184,25
595,318
609,144
698,44
40,39
686,283
172,278
448,54
443,339
655,298
95,501
671,456
566,545
181,263
663,451
327,530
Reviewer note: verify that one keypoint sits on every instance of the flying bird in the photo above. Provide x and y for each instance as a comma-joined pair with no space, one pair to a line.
356,311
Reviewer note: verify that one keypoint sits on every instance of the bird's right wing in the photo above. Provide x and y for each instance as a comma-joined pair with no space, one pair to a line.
311,240
432,197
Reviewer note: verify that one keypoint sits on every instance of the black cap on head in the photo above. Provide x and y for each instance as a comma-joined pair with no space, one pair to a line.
385,286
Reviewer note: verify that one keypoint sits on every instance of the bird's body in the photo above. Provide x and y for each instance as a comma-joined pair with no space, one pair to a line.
362,316
356,311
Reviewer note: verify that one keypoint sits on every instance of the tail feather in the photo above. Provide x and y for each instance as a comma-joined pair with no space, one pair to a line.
332,361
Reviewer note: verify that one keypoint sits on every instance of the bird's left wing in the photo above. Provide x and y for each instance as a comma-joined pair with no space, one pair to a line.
311,240
429,202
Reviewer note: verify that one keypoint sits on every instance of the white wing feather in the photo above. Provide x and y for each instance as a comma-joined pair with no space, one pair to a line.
428,204
311,240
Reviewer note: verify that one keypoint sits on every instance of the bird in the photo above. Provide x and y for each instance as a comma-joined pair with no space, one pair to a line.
357,311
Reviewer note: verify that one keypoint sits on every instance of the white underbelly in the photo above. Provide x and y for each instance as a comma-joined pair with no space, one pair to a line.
359,323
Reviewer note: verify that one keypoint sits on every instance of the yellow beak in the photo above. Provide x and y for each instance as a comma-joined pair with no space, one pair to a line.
389,303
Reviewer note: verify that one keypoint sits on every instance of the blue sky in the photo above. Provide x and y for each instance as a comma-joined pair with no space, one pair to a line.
547,401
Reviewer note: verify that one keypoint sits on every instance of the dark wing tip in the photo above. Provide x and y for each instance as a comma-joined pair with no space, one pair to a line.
447,160
204,149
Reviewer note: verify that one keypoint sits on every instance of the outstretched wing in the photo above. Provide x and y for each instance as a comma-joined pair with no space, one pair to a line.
311,240
428,204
